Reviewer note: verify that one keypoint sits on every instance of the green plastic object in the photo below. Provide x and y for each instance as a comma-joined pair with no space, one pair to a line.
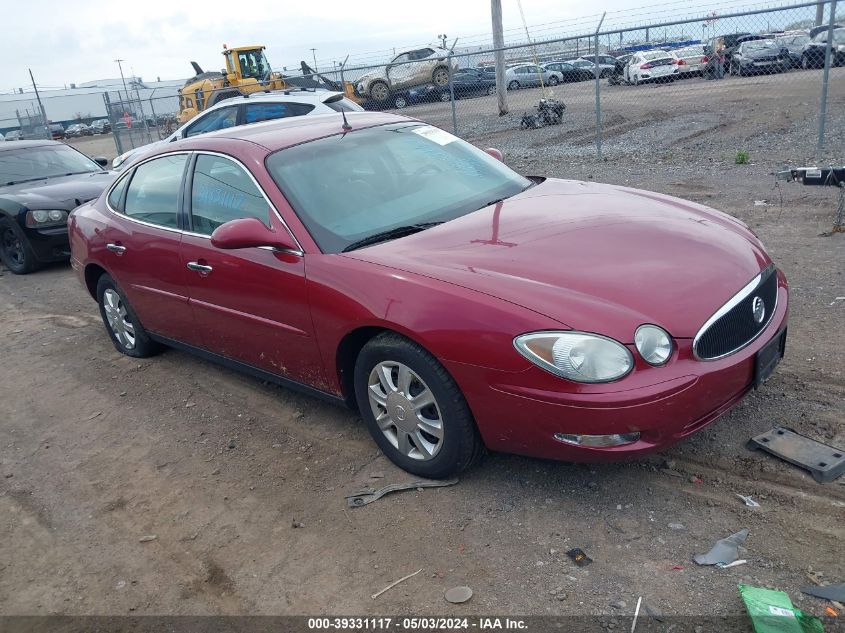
772,612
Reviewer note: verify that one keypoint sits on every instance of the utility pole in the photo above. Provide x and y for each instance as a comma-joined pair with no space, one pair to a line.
314,57
498,45
40,106
819,13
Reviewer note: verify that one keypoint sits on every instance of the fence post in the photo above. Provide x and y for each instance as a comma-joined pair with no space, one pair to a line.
827,49
597,70
452,95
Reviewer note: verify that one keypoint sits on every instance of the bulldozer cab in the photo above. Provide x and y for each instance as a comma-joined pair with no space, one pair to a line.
247,62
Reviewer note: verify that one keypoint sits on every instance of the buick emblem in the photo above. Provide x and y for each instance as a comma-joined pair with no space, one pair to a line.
758,309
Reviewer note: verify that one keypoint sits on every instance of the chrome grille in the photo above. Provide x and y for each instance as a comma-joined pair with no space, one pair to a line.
734,325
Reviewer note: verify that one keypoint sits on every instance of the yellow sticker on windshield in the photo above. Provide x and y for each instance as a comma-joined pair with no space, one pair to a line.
435,134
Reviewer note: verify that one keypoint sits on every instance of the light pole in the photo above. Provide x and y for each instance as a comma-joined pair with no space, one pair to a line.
443,37
122,77
314,57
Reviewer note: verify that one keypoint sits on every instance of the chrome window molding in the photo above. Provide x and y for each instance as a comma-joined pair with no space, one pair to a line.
299,251
749,288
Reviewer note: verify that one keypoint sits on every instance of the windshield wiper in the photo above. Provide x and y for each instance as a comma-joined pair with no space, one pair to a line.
390,234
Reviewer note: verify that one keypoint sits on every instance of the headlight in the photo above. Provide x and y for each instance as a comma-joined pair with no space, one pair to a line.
654,344
578,356
41,218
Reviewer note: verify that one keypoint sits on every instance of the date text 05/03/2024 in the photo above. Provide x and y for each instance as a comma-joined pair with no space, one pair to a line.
417,623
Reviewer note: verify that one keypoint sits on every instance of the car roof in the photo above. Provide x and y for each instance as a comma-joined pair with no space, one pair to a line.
19,144
280,133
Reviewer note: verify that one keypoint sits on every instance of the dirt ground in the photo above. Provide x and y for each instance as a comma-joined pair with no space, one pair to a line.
98,451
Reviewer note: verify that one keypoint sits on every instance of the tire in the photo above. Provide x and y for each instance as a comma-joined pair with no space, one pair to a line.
445,97
379,91
636,80
400,102
491,90
514,85
130,338
553,80
604,73
440,76
459,444
15,250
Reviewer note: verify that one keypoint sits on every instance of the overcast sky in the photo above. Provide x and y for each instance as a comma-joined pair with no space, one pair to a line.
73,42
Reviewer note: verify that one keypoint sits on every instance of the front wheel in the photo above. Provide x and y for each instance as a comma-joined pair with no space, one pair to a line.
413,408
445,96
15,250
400,102
514,85
122,324
491,90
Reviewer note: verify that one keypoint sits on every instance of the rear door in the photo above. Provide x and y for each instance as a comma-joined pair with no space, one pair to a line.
250,304
143,245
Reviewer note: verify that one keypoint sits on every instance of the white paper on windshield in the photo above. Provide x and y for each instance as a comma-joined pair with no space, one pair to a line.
435,134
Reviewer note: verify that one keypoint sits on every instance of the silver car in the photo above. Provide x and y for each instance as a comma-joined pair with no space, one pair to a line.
406,70
691,59
527,76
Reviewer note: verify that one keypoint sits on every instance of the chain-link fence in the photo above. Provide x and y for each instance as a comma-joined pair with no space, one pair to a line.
763,76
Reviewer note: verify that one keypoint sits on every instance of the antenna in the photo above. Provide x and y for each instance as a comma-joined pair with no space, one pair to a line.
346,127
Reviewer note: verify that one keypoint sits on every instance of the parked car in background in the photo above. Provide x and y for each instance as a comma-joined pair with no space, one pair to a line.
814,51
618,74
244,110
691,60
489,72
78,129
527,76
606,64
411,68
815,30
470,82
651,66
101,126
758,57
724,44
418,94
793,44
302,251
40,184
564,72
14,135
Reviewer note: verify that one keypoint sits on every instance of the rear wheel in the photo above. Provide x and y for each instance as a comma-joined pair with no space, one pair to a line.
414,409
553,80
15,251
491,90
445,96
400,102
122,324
440,76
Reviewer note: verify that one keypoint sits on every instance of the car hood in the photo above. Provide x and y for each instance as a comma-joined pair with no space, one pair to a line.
64,192
766,52
592,257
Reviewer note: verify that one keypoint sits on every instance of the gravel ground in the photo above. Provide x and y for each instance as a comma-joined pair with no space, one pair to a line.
242,483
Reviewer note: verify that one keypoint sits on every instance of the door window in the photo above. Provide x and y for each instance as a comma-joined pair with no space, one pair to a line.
221,192
214,120
256,112
153,193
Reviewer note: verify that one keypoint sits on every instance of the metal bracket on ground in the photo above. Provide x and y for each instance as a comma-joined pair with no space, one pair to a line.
824,462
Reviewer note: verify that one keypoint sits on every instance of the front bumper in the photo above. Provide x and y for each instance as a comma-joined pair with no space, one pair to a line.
520,412
50,244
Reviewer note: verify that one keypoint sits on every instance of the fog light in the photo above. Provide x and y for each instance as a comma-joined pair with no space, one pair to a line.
599,441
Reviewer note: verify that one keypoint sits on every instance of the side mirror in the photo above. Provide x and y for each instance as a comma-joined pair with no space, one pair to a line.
495,154
250,233
102,161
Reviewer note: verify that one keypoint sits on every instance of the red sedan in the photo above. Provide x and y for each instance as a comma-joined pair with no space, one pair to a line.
387,264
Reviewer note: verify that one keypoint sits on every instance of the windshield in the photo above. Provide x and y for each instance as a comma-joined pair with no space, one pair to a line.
43,161
348,187
758,46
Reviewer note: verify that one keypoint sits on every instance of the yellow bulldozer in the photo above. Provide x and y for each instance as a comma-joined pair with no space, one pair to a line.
247,71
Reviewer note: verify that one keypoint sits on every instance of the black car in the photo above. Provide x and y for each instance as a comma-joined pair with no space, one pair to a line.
757,57
470,82
78,129
814,51
101,126
41,182
794,44
565,72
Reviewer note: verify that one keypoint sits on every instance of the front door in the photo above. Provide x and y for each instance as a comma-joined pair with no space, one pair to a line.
143,245
251,304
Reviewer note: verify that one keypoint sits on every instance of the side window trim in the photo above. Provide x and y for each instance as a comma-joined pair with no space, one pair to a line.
264,195
185,222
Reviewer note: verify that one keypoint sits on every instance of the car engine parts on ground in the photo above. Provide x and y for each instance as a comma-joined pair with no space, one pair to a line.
549,112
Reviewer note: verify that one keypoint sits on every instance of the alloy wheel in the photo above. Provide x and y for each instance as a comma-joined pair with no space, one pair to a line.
13,247
121,326
405,410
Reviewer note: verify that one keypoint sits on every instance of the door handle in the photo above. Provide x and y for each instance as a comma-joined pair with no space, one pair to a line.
116,248
200,268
